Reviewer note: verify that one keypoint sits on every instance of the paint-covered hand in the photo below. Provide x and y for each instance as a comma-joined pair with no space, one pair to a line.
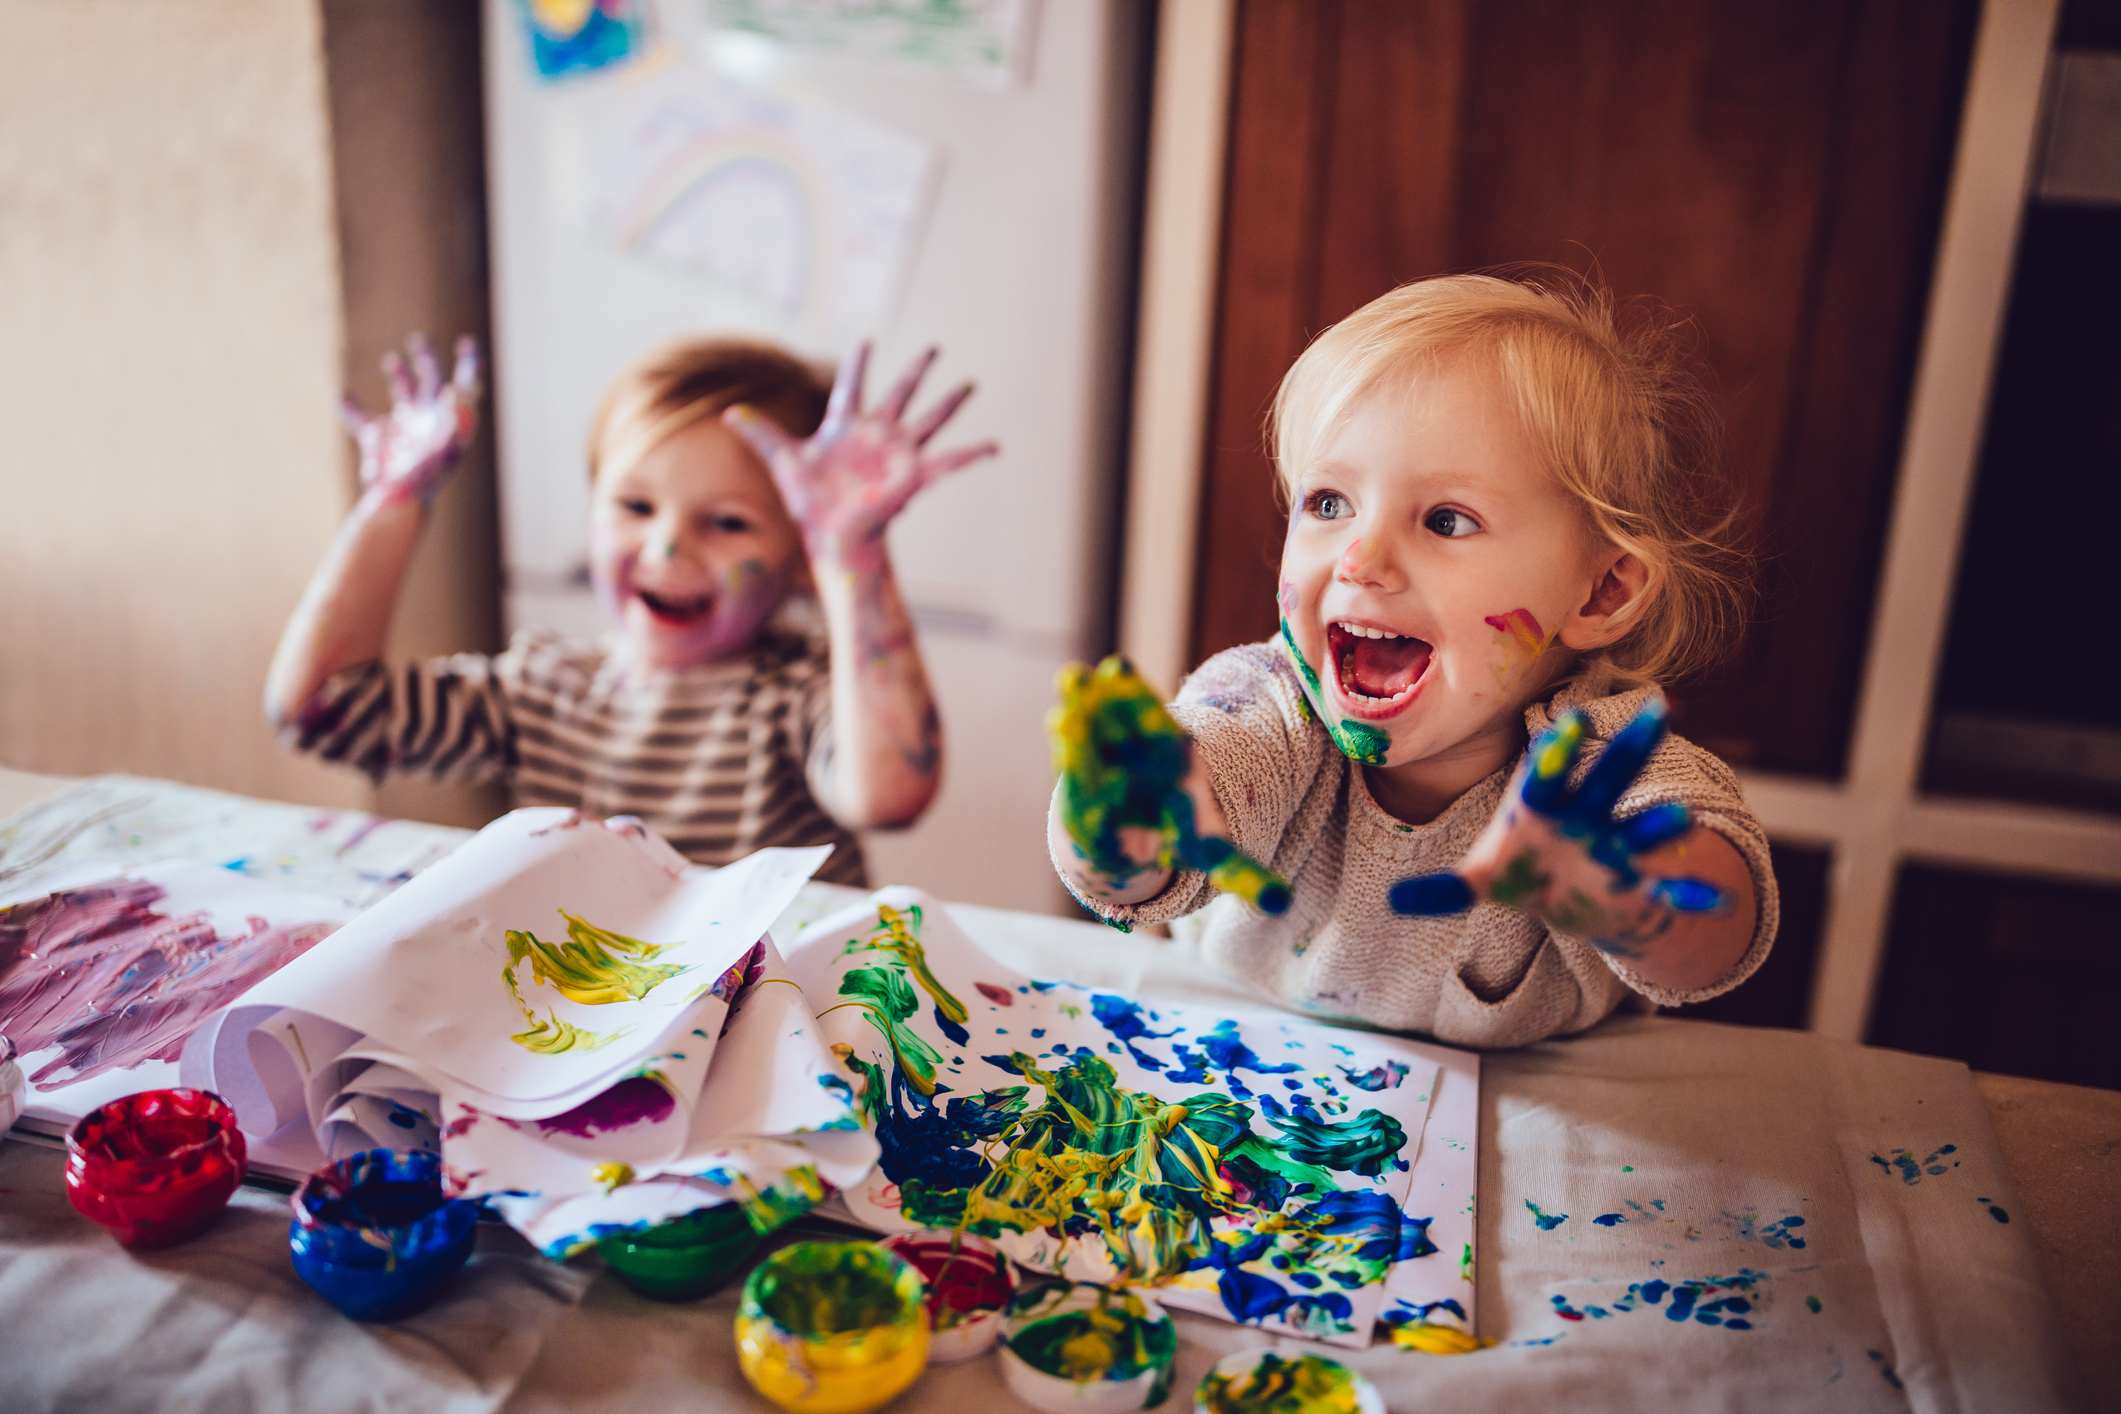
1127,788
411,450
859,469
1561,855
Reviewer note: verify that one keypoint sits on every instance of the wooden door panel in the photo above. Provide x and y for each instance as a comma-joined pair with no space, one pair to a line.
1772,171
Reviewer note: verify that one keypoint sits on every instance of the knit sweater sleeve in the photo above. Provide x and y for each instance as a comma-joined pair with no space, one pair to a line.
1255,739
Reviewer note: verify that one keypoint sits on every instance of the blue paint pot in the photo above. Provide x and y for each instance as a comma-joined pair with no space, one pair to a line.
377,1236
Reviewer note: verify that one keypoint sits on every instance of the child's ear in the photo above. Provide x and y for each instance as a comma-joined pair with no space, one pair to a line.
1623,583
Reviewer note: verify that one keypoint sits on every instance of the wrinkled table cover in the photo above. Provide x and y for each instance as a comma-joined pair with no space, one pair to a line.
1908,1291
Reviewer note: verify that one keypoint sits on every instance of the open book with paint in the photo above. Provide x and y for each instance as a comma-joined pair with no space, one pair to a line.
1252,1165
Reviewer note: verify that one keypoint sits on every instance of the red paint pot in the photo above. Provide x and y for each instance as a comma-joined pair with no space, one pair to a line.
157,1167
969,1282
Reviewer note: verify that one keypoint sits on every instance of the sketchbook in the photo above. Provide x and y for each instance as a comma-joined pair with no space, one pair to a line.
1255,1166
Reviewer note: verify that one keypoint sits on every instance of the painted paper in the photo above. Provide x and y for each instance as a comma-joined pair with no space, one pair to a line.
986,43
1254,1166
569,37
809,212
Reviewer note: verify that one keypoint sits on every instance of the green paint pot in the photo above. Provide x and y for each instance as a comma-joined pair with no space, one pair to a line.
1284,1382
1077,1348
685,1258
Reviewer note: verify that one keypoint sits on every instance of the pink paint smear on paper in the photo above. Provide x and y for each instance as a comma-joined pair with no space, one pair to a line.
98,973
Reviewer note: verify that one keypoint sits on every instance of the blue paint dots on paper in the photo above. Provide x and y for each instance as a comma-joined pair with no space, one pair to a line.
1547,1221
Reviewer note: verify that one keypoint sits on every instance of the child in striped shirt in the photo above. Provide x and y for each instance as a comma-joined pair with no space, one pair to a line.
733,500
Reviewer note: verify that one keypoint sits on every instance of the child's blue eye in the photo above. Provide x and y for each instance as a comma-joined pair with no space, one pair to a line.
1451,523
731,525
1329,505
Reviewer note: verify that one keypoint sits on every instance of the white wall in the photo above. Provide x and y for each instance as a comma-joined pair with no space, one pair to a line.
1020,277
169,361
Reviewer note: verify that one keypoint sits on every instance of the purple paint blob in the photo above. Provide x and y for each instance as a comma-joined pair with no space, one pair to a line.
638,1100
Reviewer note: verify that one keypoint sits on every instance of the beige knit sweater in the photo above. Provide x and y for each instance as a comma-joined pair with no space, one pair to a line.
1491,977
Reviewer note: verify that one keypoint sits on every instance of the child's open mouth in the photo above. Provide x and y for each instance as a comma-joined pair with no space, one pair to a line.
1377,670
671,610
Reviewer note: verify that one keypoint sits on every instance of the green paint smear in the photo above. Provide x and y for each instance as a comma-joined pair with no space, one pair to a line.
1358,741
1519,881
833,1288
1309,1384
1465,1262
899,935
1102,1343
592,967
885,994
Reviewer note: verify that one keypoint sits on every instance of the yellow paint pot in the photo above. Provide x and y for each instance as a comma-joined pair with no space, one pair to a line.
832,1327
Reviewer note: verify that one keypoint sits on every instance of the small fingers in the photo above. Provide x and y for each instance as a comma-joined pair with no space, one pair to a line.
1660,824
1428,895
935,468
426,372
1688,895
766,436
1621,763
394,374
901,395
1546,768
941,413
846,401
352,416
465,376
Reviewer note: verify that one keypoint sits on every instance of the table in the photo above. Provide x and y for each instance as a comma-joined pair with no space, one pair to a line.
1595,1127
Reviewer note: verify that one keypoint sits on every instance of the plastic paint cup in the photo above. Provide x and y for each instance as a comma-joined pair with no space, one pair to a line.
832,1327
376,1234
1282,1382
14,1087
156,1167
684,1258
1086,1349
969,1282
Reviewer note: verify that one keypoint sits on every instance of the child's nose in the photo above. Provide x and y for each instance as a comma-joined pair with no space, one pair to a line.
1365,561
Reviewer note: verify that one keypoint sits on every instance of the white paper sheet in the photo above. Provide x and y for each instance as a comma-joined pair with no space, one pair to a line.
1301,1147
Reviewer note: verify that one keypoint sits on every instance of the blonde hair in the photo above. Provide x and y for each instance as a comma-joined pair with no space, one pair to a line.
1620,423
662,394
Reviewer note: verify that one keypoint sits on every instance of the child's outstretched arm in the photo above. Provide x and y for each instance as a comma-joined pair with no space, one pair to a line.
843,486
1132,804
406,458
1672,899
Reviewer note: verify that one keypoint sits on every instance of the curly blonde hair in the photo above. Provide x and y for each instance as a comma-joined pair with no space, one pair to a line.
1621,423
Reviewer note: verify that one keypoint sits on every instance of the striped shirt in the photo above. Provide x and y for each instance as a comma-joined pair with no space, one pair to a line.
720,758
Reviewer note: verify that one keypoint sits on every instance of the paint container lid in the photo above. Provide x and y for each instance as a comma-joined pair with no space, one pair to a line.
684,1258
1079,1348
377,1234
156,1167
969,1284
1285,1382
832,1327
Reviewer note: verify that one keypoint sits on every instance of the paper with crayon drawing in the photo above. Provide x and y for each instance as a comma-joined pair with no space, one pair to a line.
550,1007
1255,1166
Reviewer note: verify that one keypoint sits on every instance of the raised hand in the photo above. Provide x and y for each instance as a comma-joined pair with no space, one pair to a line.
1560,853
411,450
859,469
1124,800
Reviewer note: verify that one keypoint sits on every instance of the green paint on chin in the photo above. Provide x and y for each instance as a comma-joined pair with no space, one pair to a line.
1358,741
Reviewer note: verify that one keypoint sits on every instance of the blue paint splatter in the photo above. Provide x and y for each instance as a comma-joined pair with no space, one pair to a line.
1124,1020
1377,1077
1910,1170
1994,1211
1609,1219
1708,1301
958,1034
1885,1368
1547,1221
